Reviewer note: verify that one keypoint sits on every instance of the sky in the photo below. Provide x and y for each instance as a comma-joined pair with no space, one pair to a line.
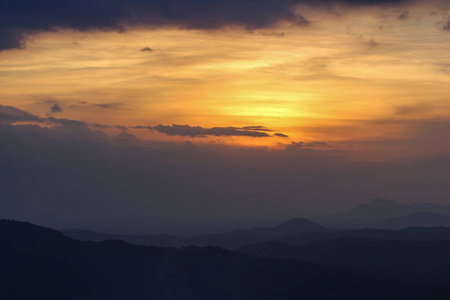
177,116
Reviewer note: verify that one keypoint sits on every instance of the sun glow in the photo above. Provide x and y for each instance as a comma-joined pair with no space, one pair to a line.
288,79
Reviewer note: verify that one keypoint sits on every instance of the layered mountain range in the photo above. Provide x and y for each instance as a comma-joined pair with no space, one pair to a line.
298,259
379,213
39,263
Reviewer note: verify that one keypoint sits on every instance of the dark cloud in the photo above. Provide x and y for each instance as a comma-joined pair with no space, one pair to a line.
126,137
406,110
19,18
295,146
197,131
255,128
186,130
280,135
100,126
67,122
81,124
9,114
373,44
368,2
142,127
274,34
316,144
11,38
56,108
146,49
303,145
447,26
444,24
113,105
404,16
123,128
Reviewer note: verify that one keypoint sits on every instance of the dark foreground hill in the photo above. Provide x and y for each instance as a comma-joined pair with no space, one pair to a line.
41,264
424,262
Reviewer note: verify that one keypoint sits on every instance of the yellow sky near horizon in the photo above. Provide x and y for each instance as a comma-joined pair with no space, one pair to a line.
365,77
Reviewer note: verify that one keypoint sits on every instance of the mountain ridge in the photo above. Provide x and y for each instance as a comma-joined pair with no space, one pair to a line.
229,240
383,213
41,264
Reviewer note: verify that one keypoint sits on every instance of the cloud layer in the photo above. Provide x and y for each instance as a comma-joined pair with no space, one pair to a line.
20,18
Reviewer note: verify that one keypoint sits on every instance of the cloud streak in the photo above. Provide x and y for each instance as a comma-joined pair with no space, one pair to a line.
197,131
281,135
113,105
146,49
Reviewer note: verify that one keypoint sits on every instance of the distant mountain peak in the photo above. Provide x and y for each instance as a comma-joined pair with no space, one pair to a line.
375,209
378,206
379,212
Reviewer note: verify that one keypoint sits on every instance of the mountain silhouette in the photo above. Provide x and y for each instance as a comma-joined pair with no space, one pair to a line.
42,264
379,213
378,208
229,240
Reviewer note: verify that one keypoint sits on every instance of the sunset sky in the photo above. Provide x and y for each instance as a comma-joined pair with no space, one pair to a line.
138,114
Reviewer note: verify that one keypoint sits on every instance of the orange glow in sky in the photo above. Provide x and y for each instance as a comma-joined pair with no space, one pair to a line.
354,81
